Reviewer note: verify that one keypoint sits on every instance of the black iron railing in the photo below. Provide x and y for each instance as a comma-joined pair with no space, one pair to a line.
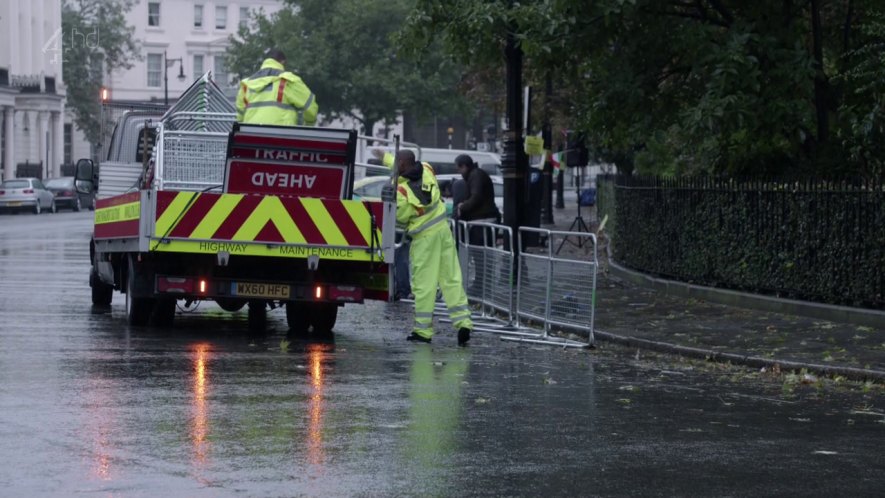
807,239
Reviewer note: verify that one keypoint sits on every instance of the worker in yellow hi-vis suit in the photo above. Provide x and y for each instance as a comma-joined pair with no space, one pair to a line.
274,96
434,261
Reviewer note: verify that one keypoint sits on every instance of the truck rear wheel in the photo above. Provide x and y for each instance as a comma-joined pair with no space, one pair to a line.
231,305
138,309
323,317
298,317
164,313
257,316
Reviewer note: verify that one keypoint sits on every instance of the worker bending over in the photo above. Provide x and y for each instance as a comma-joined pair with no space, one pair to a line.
434,262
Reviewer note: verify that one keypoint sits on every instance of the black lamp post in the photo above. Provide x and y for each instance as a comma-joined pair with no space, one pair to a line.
181,75
514,162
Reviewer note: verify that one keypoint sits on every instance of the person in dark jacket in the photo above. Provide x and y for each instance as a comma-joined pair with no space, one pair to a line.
459,195
479,205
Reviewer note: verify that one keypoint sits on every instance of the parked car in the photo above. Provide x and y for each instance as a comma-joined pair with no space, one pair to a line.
67,196
26,193
369,188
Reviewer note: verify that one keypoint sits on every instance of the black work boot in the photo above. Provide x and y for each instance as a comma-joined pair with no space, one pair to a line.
463,336
418,338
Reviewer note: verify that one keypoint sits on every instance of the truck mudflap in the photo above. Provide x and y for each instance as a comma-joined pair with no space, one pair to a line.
251,225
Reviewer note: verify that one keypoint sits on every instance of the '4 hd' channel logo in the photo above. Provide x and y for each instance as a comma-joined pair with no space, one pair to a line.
60,43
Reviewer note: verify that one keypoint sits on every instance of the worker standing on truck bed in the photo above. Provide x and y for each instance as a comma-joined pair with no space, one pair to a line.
434,262
274,96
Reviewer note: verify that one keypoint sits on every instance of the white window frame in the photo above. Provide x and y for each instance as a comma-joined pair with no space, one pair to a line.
244,19
222,78
199,68
222,10
199,14
158,70
153,20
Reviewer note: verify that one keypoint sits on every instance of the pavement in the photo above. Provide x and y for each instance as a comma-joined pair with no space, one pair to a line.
640,317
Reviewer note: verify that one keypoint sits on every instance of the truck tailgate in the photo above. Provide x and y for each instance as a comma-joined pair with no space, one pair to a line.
292,227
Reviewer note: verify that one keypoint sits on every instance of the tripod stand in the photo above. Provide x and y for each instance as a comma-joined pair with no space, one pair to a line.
578,225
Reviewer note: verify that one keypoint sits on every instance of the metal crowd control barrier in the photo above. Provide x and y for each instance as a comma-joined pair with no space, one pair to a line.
486,272
492,272
461,239
556,289
552,288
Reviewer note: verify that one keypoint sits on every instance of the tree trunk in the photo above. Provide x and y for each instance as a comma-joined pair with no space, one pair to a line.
820,78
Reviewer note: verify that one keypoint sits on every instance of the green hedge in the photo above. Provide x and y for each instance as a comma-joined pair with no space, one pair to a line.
817,241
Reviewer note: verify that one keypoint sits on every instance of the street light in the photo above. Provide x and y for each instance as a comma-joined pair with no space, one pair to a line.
181,76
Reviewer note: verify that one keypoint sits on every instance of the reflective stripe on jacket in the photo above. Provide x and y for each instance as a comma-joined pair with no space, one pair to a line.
419,211
274,96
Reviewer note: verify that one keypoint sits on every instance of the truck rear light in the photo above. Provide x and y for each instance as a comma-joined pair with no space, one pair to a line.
176,285
204,284
346,293
318,292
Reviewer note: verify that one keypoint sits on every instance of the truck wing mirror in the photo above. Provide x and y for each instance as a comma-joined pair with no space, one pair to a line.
83,174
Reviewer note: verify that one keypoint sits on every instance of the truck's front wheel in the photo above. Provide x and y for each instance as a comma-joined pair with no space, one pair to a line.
138,309
102,293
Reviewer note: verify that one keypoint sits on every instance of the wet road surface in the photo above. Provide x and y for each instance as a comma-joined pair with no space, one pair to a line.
91,406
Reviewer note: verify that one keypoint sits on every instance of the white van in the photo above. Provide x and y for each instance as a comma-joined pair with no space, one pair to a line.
443,160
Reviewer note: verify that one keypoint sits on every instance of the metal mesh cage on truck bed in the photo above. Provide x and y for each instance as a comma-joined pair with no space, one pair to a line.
192,143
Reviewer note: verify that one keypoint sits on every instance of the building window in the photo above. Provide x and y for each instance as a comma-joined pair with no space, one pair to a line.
154,70
153,13
198,16
69,141
244,17
3,141
198,66
221,76
221,17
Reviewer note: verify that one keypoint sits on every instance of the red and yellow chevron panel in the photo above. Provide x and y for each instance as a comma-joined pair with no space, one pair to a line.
118,216
255,225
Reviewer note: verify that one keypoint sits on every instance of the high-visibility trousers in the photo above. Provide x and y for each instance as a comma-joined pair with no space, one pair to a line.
434,263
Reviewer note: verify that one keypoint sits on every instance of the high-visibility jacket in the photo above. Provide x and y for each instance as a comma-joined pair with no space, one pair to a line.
274,96
419,206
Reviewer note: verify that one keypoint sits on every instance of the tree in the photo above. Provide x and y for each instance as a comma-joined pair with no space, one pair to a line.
94,40
706,86
343,51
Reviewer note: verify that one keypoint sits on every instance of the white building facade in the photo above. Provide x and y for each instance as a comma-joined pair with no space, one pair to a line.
31,88
190,36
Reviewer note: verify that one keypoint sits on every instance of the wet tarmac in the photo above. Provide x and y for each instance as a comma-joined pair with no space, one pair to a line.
89,405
